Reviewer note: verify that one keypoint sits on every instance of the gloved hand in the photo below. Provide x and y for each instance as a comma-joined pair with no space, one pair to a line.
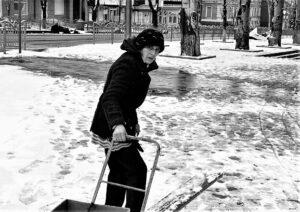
119,133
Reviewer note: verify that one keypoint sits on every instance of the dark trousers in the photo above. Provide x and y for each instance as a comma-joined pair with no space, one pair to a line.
127,167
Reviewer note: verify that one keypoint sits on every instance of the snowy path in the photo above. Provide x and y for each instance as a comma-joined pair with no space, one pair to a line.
242,119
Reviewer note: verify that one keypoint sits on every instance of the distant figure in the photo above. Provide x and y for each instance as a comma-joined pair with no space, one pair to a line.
124,91
57,29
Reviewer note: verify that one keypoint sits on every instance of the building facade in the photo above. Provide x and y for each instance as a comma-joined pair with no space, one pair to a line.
168,12
114,11
56,9
10,7
212,12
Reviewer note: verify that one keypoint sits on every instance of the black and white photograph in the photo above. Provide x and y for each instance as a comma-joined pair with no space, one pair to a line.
149,105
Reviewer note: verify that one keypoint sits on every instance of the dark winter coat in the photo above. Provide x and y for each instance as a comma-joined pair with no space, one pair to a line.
124,91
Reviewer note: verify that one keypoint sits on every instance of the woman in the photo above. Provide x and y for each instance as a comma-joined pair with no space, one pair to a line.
124,91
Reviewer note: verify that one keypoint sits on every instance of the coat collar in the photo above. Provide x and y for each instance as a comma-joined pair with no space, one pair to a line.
129,46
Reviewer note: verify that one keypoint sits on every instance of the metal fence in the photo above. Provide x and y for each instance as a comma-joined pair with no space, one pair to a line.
9,35
116,33
205,34
95,33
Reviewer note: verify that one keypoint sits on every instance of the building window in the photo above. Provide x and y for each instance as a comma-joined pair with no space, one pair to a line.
174,20
24,7
59,7
208,12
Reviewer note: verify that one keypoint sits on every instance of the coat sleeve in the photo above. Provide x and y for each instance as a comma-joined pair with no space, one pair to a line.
115,94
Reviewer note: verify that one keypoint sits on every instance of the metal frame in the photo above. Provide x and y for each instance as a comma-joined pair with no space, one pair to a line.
147,190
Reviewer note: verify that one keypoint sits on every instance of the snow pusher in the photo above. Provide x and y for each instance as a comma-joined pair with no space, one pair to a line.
77,206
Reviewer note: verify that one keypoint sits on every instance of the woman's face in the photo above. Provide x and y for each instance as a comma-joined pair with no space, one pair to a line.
149,54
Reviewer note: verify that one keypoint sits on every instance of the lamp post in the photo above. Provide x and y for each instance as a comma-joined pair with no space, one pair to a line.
120,11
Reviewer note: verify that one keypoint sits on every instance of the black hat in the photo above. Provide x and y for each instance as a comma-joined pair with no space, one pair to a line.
150,37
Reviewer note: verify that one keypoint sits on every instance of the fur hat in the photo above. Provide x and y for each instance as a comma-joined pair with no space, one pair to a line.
150,37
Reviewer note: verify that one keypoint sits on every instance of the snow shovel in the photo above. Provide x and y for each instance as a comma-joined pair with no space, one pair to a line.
76,206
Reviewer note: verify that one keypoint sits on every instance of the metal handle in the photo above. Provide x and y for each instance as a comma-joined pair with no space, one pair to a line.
147,190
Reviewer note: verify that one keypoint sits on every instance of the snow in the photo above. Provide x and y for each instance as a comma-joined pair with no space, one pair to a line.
236,128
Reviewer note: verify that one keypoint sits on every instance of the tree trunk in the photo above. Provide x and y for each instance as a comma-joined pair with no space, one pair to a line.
154,10
243,29
292,17
8,7
189,28
297,22
44,10
224,21
296,37
200,7
95,10
120,10
276,31
270,13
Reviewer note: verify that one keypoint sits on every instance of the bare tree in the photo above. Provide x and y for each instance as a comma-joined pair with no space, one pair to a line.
44,10
120,10
189,27
270,12
297,21
293,15
154,9
296,37
224,20
276,29
200,7
94,5
271,15
243,28
8,5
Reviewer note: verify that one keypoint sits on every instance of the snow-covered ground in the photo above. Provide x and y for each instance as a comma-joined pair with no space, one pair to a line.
243,120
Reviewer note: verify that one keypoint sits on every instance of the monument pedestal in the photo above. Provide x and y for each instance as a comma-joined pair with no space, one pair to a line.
80,24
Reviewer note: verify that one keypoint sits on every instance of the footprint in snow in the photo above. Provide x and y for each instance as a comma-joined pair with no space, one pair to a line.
28,168
30,193
235,158
10,155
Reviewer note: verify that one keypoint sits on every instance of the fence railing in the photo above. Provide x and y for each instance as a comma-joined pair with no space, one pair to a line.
95,34
205,34
9,35
116,33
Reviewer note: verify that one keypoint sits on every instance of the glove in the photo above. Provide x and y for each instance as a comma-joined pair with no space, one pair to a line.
119,133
